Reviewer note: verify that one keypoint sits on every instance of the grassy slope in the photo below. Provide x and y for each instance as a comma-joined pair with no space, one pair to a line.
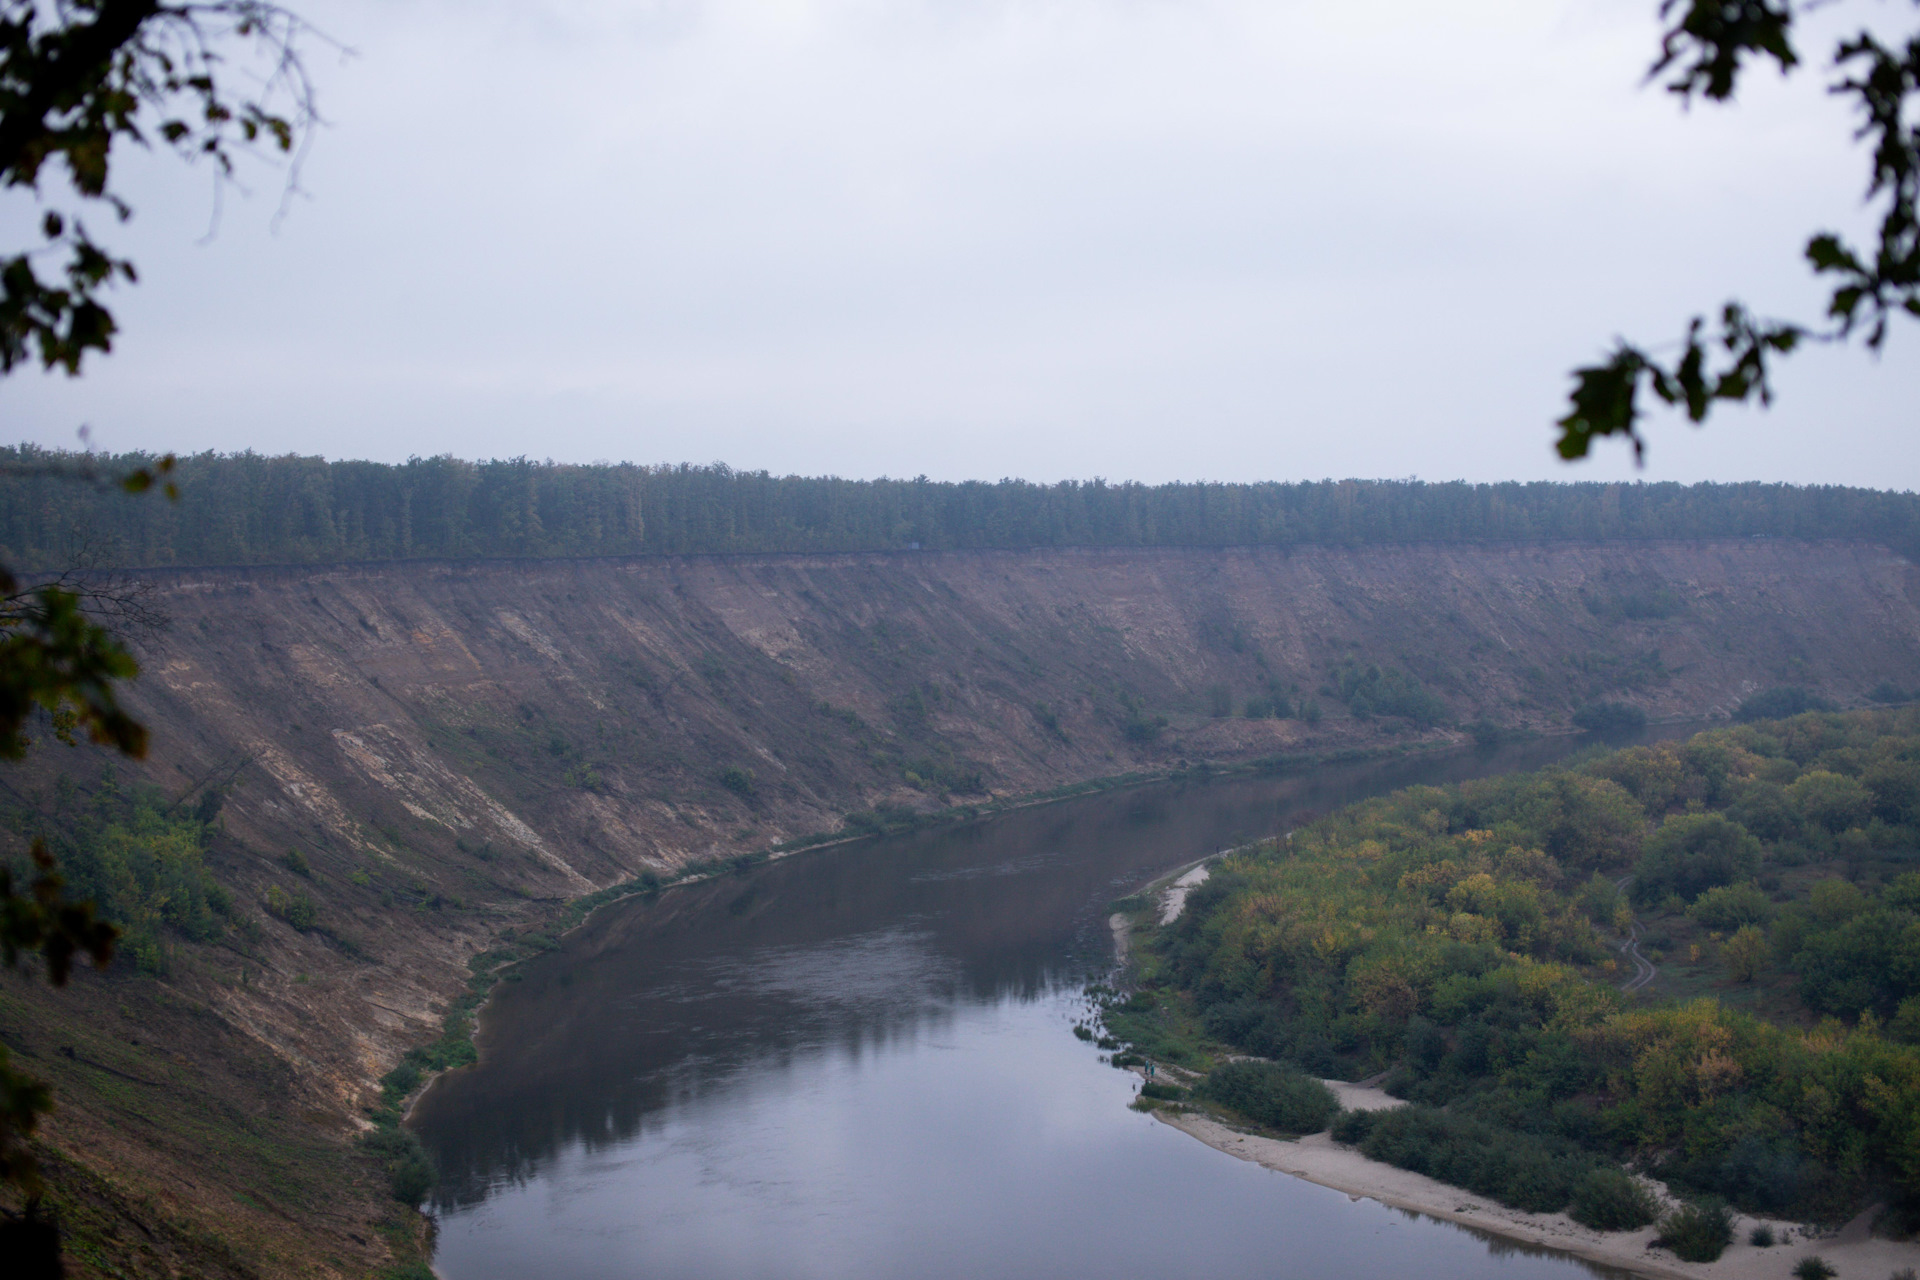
180,1146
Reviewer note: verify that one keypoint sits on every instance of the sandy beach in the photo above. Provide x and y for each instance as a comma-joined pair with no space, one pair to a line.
1852,1251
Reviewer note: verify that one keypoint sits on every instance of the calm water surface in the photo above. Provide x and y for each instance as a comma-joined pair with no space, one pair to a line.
858,1063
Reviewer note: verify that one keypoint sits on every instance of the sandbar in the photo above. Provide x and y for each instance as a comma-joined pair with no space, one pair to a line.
1853,1251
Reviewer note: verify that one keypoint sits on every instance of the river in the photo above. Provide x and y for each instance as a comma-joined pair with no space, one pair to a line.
858,1063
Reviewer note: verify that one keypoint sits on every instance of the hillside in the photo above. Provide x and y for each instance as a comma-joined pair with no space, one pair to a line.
390,767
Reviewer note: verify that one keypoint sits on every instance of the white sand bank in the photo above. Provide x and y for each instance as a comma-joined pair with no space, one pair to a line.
1855,1254
1176,900
1358,1097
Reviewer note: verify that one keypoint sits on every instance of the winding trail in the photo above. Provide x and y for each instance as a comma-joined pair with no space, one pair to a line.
1644,970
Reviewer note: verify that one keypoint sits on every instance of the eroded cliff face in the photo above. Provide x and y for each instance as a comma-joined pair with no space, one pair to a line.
475,736
454,749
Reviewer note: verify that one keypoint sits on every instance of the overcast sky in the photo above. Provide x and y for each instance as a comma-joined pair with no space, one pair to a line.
1141,239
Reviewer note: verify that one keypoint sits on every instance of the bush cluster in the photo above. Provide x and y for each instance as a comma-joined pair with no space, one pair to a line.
142,861
1697,1232
1460,936
1780,703
1373,691
296,909
1610,717
1272,1095
410,1172
1522,1171
1611,1200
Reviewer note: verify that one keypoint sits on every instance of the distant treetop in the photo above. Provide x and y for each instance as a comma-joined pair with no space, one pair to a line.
247,508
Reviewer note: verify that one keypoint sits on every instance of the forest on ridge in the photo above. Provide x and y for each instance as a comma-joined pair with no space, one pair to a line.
249,508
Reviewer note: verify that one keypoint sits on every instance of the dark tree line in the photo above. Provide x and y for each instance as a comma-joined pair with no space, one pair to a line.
252,509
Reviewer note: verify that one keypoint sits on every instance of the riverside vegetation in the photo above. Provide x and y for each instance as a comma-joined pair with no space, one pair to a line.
1467,942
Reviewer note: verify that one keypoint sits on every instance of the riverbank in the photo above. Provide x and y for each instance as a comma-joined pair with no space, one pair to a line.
455,1045
1853,1251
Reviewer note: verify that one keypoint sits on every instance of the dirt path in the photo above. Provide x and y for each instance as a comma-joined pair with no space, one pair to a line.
1644,970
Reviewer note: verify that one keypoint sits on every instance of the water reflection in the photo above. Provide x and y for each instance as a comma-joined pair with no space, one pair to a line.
868,1041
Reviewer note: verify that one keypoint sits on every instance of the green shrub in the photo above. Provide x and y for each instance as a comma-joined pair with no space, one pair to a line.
1162,1092
144,867
150,954
411,1180
1726,907
403,1079
1691,853
1744,953
1350,1128
1761,1237
1370,691
739,781
296,862
1814,1267
1763,810
1778,704
296,909
1610,717
1272,1095
1697,1232
1830,800
584,777
942,774
410,1172
1611,1200
1524,1171
1600,900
